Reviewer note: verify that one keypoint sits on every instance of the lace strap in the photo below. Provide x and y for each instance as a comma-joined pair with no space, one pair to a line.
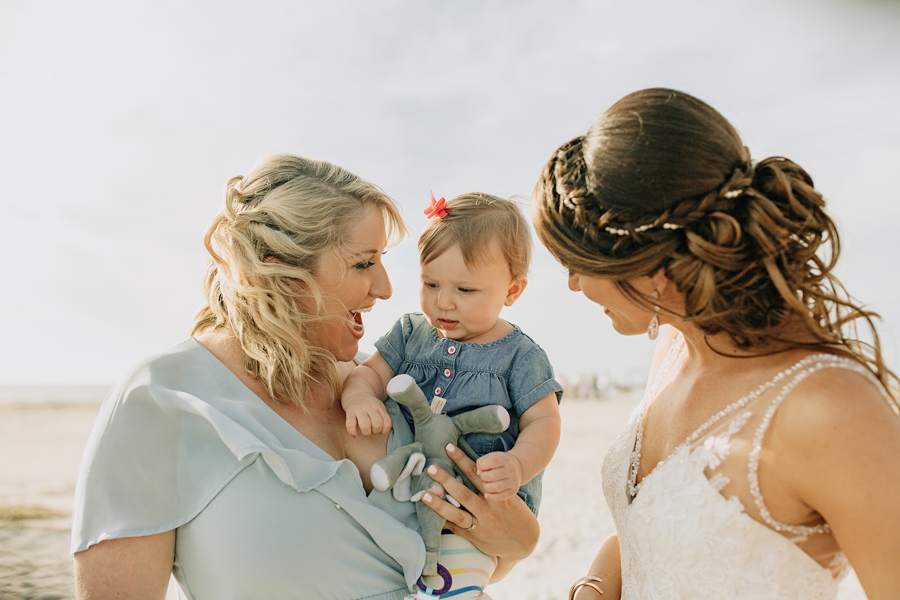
809,365
672,354
633,486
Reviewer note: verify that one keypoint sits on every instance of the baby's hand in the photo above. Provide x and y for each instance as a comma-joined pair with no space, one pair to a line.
368,415
501,473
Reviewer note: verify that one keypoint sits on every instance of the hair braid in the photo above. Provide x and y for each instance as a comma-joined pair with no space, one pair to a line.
664,181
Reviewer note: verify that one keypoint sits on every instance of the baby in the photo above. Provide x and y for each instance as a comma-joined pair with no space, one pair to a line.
474,256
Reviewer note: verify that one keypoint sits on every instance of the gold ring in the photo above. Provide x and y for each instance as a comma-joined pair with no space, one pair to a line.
474,524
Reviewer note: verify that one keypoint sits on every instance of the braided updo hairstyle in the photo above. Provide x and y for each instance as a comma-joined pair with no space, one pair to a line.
291,209
662,180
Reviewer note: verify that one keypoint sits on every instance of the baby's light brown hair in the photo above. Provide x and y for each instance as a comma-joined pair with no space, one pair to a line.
472,220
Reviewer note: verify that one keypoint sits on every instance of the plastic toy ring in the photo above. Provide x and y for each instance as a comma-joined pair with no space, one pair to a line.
444,574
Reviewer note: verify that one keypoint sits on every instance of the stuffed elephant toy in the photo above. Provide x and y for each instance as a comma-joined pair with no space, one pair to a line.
405,468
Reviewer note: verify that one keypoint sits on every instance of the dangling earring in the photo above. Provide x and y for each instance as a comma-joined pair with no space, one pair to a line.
653,329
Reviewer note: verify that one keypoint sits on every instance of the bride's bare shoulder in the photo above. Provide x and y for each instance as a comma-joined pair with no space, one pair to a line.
837,397
836,424
836,440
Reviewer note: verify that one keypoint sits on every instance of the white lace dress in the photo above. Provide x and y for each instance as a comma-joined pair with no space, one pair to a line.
686,530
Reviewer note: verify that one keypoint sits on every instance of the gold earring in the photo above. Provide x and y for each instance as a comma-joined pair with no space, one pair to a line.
653,329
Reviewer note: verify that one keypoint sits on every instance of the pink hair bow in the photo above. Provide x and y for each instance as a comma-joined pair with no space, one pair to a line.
436,209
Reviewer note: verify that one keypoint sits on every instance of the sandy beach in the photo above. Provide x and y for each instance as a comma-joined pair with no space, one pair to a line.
41,445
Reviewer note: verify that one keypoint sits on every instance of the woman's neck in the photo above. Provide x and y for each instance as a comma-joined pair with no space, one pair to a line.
718,351
712,349
709,348
227,348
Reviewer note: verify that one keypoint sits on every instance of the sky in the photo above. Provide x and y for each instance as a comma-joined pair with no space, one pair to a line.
121,122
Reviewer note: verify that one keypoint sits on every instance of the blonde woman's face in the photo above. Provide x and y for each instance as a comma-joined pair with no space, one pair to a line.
350,286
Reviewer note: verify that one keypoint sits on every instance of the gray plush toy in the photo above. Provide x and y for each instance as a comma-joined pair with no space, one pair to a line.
405,469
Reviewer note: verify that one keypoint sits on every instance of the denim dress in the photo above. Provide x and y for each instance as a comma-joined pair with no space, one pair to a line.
512,372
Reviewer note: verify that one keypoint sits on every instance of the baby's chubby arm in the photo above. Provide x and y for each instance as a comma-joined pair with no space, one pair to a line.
504,473
363,397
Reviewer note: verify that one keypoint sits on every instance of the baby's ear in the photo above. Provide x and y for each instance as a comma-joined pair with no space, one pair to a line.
516,287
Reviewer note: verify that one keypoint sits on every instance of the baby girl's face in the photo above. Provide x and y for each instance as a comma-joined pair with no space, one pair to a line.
464,302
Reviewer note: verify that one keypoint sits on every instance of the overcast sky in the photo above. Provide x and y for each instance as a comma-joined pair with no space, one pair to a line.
120,123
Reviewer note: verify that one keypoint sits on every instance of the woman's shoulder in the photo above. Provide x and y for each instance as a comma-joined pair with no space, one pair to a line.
153,423
164,368
828,387
833,404
187,363
834,446
189,351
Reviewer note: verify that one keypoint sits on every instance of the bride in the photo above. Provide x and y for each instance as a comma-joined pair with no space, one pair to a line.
764,460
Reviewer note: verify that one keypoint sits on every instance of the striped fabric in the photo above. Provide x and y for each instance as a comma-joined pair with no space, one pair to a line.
469,568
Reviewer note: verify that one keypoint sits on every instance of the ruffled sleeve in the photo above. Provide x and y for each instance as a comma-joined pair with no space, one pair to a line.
155,457
179,428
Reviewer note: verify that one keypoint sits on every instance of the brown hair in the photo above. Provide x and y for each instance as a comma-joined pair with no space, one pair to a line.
474,219
293,209
662,180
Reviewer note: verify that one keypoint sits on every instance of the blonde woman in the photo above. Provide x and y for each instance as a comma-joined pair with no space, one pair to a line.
225,460
764,459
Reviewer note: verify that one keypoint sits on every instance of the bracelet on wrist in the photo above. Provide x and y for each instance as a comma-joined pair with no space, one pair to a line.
588,581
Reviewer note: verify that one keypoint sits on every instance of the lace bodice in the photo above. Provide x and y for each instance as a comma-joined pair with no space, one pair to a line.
697,525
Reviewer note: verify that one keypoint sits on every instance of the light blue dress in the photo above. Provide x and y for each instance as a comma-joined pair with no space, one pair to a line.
259,510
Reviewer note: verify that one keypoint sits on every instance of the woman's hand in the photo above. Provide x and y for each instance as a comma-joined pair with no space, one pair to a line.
506,529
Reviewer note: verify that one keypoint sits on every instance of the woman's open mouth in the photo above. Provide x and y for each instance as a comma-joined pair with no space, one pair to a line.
356,327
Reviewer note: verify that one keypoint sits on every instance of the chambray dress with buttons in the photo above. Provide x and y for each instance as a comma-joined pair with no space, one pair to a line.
512,372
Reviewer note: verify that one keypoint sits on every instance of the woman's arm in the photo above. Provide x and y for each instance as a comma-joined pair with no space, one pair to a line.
133,568
608,567
506,529
838,442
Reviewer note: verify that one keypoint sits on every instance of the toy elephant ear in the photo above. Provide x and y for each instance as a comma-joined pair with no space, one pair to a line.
402,489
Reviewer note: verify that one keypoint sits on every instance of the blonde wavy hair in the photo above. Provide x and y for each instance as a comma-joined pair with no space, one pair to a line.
264,249
662,180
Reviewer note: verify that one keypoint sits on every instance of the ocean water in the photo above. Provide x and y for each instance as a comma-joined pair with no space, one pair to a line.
52,394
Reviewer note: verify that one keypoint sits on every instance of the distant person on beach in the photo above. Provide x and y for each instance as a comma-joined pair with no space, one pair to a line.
226,460
764,460
474,256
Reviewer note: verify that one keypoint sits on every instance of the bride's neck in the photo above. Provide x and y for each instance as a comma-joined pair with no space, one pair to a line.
715,350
